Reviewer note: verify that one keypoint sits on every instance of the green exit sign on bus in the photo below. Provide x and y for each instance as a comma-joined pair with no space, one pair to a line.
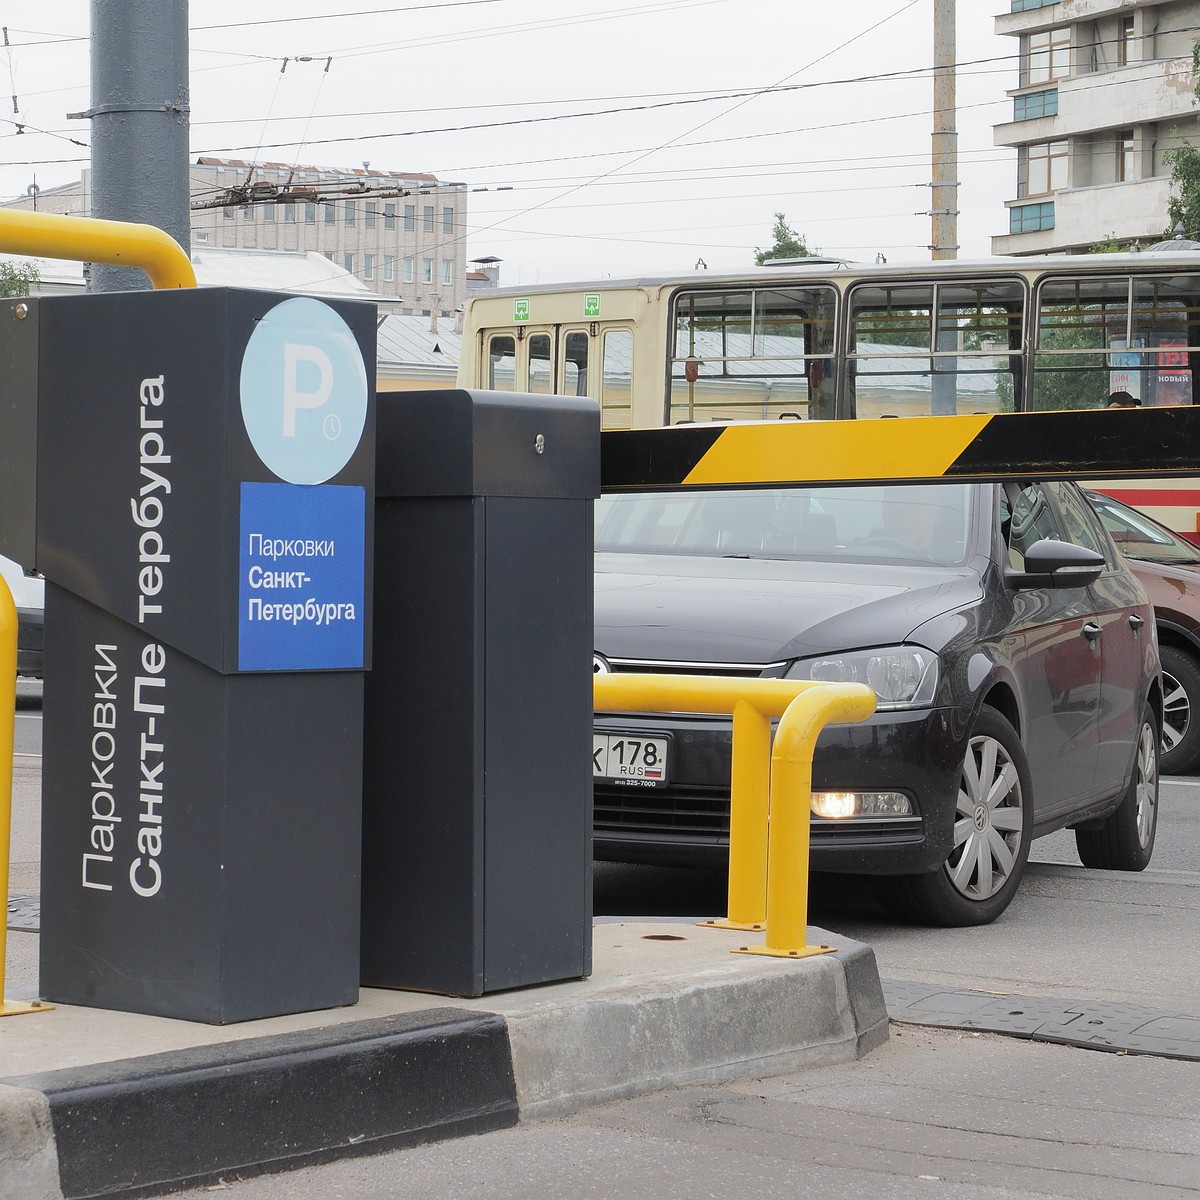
520,310
591,304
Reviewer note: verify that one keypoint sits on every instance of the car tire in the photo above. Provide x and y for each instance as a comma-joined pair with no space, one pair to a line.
1181,711
1124,841
993,825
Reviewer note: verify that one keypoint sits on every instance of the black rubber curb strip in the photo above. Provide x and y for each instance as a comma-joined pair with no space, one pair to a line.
145,1126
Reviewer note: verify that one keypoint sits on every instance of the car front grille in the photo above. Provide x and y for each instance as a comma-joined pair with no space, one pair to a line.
658,666
691,812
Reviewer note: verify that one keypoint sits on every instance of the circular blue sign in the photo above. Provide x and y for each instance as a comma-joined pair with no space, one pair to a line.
303,391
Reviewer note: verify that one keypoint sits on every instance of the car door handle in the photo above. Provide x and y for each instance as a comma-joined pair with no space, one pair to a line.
1136,622
1091,631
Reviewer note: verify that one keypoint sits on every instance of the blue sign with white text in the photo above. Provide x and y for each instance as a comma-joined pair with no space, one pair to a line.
302,577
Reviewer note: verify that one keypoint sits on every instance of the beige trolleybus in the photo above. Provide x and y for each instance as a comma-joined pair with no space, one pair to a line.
810,340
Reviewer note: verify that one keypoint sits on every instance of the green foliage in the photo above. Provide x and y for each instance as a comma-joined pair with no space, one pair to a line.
1109,244
788,243
18,280
1183,208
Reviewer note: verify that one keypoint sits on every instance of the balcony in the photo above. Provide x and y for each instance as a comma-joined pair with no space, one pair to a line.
1086,215
1045,16
1117,99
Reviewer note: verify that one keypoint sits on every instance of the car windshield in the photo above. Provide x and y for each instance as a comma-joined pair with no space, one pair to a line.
909,522
1138,536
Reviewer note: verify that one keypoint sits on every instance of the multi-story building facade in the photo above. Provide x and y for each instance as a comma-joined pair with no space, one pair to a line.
403,235
1106,87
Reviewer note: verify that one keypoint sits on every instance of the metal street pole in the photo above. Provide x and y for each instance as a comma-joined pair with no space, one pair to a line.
139,117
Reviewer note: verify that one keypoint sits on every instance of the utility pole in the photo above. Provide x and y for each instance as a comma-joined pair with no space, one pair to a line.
944,210
139,123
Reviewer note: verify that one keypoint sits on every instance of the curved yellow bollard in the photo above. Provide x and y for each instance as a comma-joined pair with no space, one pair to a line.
88,239
752,702
8,719
791,800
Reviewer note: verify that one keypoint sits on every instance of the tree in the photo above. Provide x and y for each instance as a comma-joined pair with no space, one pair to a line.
788,243
18,280
1183,208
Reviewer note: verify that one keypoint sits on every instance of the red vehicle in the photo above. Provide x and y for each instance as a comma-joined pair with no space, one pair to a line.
1168,567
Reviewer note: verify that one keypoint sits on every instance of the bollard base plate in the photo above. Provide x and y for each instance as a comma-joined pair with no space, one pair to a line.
781,952
727,923
17,1008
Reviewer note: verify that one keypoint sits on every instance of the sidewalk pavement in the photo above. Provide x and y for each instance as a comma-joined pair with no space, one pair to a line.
101,1103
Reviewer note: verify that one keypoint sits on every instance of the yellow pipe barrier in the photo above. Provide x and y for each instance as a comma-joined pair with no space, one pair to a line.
791,817
752,703
8,720
88,239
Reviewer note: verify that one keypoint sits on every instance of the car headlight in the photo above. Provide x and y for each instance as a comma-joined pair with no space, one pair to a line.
900,676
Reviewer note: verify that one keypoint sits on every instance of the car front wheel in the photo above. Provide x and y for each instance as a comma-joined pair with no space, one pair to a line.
992,830
1181,711
1125,840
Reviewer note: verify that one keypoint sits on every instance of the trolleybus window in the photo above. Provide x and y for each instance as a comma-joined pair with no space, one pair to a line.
616,379
936,348
502,364
541,365
751,352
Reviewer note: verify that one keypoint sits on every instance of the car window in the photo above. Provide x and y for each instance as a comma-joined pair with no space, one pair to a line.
924,523
1138,536
1081,524
1026,517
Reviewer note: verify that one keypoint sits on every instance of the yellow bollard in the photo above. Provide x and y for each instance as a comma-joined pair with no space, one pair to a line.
752,702
87,239
8,720
791,817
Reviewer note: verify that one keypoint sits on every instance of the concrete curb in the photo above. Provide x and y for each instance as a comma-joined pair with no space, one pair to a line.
248,1105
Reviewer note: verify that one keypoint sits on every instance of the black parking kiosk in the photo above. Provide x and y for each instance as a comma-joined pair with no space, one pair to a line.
205,466
477,810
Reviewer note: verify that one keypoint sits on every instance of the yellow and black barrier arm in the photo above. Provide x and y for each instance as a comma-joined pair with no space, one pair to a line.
1078,444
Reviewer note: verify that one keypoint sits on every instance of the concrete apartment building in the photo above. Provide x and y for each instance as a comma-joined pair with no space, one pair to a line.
410,247
1105,88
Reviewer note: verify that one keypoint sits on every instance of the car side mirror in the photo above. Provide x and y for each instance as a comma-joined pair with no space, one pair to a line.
1058,565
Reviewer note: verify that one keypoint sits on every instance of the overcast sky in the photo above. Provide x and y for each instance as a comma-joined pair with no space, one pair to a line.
635,135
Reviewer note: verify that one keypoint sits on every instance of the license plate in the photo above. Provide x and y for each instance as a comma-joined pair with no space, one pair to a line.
629,758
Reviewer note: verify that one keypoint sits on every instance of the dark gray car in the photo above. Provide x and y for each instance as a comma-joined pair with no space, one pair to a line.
1011,649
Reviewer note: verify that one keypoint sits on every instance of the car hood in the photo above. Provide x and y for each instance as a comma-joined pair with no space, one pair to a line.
685,609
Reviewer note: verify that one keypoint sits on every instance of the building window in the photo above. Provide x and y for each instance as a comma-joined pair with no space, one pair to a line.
368,266
1028,218
268,212
228,213
348,262
310,213
1035,104
427,218
248,213
408,268
1046,168
1125,169
410,217
447,220
1047,55
427,270
1125,46
369,215
349,212
1025,5
389,216
447,270
330,214
289,213
389,268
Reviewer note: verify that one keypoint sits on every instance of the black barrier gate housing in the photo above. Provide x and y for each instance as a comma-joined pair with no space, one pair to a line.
477,810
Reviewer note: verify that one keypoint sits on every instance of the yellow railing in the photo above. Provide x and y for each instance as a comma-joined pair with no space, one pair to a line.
768,875
8,720
88,239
